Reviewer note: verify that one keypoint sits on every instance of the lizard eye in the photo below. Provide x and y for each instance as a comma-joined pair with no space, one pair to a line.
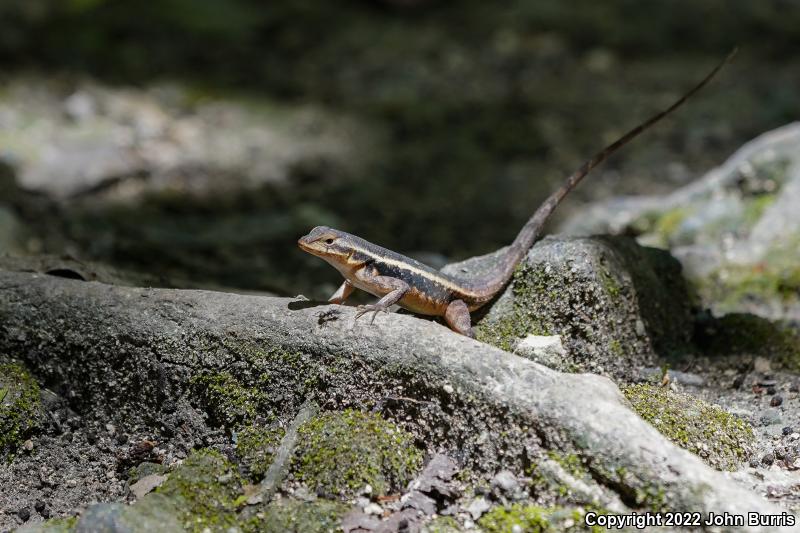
329,241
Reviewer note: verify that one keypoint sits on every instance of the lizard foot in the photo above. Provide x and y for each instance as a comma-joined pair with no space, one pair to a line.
375,308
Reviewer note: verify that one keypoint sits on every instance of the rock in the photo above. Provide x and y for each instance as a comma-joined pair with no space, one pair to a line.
614,304
547,350
506,412
723,440
147,484
735,230
776,400
506,481
374,509
100,137
477,507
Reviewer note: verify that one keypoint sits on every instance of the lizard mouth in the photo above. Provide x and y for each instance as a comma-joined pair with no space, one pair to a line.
311,246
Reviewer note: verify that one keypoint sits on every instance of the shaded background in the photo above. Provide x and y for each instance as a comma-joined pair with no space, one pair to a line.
438,126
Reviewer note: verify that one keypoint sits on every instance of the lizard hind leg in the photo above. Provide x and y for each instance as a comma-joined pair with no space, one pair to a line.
457,317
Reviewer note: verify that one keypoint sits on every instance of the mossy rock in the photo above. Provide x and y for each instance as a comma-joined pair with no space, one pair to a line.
227,400
614,303
293,516
338,453
532,519
750,335
256,447
54,525
206,490
20,405
719,438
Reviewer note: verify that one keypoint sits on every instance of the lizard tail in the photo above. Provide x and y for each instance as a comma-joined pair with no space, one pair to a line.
532,229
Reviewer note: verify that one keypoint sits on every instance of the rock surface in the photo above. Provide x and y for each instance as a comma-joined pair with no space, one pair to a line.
616,305
149,343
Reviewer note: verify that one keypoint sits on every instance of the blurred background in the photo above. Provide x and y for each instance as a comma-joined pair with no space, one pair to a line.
193,141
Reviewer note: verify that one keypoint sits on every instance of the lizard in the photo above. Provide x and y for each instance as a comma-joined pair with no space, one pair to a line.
397,279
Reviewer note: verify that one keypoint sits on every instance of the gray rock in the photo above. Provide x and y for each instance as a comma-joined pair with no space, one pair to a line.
525,407
615,304
114,143
478,507
735,230
506,481
147,484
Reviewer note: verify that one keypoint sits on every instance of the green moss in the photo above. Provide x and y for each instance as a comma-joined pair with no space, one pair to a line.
570,462
206,490
533,519
745,334
227,400
256,446
721,439
20,406
58,525
529,285
338,453
292,516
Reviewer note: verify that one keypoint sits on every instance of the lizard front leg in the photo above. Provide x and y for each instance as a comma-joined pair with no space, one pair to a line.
393,287
341,294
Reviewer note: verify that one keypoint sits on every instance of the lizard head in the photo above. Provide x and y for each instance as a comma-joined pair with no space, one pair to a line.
327,243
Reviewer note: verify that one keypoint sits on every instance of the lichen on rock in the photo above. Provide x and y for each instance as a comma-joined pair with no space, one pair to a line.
339,453
20,405
718,437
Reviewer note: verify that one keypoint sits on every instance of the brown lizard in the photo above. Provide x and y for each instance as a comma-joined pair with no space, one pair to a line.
397,279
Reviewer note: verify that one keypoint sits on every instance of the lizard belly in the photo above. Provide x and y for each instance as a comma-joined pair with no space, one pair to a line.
414,300
417,302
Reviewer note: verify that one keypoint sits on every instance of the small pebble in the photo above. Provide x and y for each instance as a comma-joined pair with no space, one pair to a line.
768,459
39,506
787,430
738,381
776,400
373,508
771,390
24,514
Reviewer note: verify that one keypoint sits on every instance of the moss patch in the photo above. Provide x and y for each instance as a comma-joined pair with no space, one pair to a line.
292,516
256,446
206,489
338,453
20,405
273,381
721,439
227,400
532,519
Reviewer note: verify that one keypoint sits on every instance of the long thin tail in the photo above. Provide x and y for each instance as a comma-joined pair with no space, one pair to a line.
530,232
